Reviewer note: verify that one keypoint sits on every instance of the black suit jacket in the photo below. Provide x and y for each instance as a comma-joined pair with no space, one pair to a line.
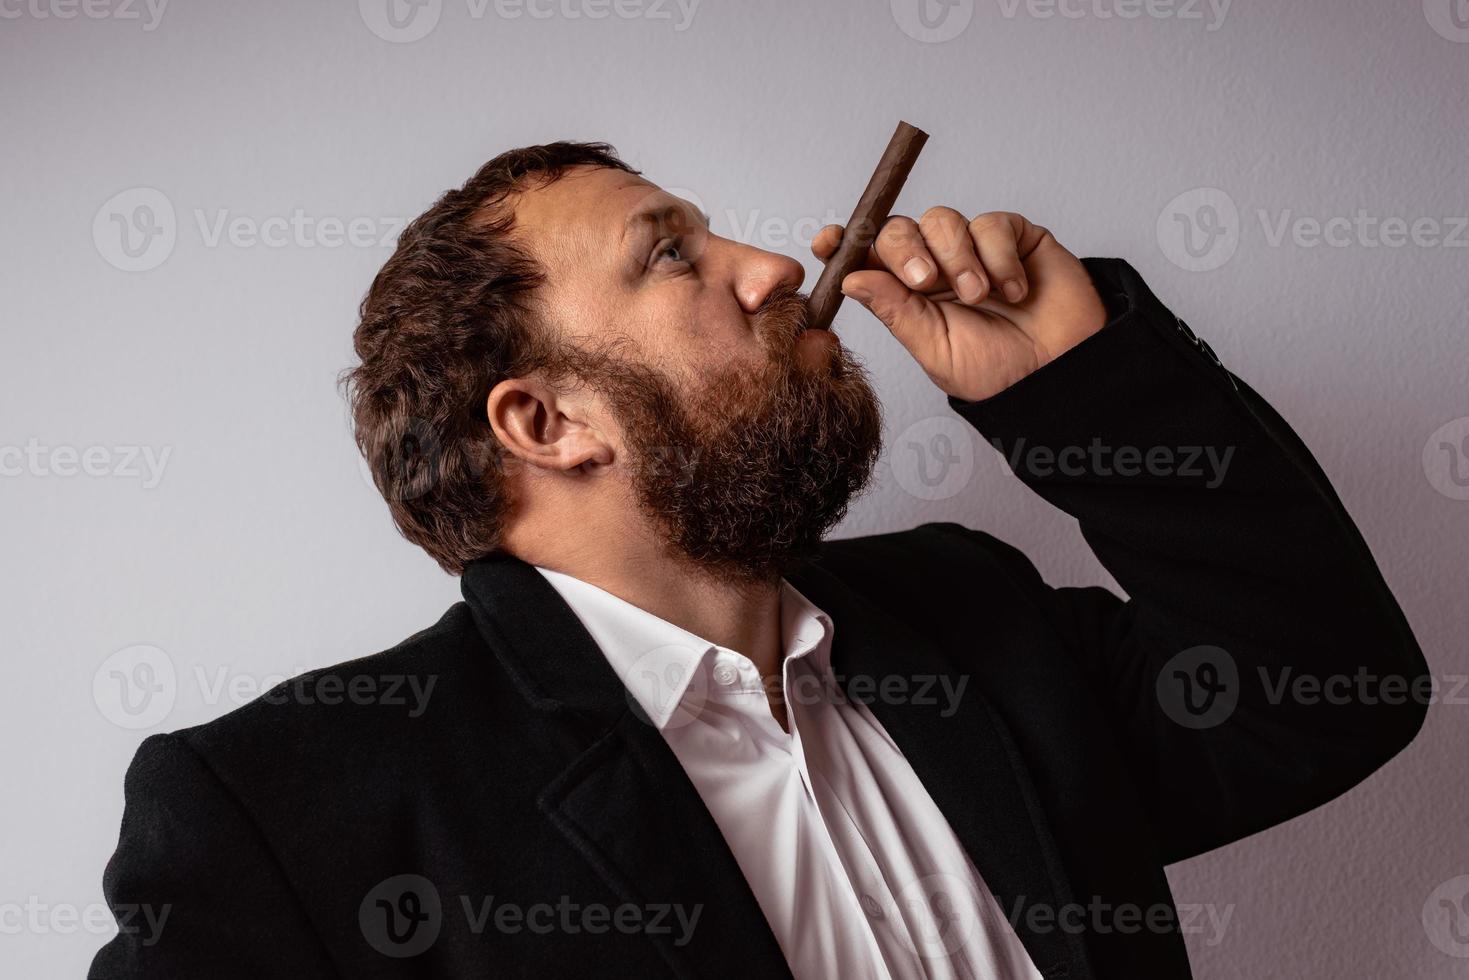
1094,741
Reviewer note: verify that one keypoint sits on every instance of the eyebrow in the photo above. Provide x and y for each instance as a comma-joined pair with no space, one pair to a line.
656,212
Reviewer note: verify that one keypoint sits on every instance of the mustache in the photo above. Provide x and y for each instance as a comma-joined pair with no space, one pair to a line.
784,314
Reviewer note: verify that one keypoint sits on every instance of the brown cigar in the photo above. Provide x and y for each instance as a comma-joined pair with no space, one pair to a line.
867,219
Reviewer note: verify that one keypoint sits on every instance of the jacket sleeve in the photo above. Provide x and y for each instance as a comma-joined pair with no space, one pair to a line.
1261,666
193,885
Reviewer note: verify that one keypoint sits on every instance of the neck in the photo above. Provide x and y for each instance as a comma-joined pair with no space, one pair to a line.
738,615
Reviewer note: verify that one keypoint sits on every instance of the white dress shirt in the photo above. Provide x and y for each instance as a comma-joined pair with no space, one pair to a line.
857,871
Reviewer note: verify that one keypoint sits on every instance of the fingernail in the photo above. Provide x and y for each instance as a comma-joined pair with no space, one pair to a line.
856,292
1013,290
917,270
969,287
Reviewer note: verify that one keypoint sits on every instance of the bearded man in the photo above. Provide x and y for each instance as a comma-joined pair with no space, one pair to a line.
672,730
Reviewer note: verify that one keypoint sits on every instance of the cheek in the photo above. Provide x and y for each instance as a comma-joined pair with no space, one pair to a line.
713,341
723,327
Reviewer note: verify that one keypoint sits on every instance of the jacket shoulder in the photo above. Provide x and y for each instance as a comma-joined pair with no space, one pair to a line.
351,706
928,571
943,547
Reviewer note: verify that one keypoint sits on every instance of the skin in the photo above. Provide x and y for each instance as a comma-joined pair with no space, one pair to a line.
683,298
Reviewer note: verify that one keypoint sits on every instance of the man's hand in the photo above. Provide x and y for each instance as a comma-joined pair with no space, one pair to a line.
979,304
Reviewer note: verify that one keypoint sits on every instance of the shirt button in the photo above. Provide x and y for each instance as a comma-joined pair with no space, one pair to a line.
872,907
725,674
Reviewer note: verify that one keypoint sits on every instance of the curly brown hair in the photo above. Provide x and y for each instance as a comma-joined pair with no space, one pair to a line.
447,318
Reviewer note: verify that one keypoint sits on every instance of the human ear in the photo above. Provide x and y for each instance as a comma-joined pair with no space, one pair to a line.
546,428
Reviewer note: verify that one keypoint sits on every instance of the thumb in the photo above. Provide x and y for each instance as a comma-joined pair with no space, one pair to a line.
912,317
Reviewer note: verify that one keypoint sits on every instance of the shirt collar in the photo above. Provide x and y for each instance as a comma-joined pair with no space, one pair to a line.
658,661
805,630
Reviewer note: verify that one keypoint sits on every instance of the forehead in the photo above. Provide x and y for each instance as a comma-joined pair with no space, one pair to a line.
587,211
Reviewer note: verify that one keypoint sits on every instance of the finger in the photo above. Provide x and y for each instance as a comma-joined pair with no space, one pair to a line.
946,232
824,245
913,318
901,249
997,236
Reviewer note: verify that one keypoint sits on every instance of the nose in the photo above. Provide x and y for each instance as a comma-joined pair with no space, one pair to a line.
758,273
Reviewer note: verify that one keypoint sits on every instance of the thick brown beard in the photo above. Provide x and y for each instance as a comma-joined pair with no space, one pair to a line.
745,475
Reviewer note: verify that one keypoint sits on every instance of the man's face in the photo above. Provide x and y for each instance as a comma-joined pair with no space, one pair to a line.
743,435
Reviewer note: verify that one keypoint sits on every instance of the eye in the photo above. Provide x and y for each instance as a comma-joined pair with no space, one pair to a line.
671,248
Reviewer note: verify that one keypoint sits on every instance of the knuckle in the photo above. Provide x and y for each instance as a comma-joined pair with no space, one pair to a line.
938,216
994,221
898,230
984,221
946,229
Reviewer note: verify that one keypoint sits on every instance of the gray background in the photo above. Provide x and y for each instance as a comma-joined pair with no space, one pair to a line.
260,550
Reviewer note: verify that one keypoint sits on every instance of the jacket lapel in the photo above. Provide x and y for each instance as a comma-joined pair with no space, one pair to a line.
966,759
626,805
623,802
